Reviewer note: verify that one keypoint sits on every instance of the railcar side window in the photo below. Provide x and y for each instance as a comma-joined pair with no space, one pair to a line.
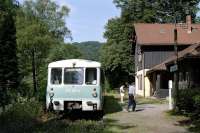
56,75
73,76
91,76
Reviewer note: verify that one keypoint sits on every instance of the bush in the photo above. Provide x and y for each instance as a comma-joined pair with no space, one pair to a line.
21,117
188,100
196,114
111,105
26,116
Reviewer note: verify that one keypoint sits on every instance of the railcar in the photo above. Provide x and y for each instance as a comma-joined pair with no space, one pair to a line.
74,84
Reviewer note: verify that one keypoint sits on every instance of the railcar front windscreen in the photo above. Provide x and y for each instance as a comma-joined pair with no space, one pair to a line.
73,76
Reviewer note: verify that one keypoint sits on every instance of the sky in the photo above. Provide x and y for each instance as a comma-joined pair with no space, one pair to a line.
87,18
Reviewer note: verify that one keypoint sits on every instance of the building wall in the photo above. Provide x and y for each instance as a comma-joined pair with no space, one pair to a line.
147,56
147,87
153,58
142,83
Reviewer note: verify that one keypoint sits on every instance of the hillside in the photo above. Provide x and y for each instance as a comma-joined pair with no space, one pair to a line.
89,49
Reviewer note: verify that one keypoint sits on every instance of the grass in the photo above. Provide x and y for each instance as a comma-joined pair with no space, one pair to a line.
111,104
139,99
67,126
29,117
142,100
54,126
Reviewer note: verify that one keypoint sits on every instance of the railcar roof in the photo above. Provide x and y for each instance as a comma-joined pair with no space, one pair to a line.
77,62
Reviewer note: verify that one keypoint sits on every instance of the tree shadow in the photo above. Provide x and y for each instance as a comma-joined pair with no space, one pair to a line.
68,126
112,123
183,123
139,110
82,115
19,125
193,126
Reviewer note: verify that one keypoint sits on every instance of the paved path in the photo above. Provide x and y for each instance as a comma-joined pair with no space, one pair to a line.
147,119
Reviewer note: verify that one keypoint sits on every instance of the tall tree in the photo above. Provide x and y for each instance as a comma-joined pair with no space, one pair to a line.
8,58
176,10
116,56
51,14
40,28
160,11
34,41
64,51
137,10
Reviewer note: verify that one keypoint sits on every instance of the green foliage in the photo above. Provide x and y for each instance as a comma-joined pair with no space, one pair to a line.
137,10
89,49
188,101
197,100
63,52
8,58
28,116
65,126
116,54
189,104
41,31
111,105
197,20
21,117
160,11
33,37
106,86
34,42
51,14
197,106
142,100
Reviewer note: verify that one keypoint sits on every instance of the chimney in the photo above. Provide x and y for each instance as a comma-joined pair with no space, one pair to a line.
189,23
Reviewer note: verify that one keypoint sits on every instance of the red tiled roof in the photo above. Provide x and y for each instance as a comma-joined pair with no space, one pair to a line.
192,51
163,34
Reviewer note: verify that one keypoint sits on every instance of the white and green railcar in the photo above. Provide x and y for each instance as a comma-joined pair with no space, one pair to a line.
74,84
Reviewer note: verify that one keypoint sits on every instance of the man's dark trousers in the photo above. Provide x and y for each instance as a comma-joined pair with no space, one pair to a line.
131,102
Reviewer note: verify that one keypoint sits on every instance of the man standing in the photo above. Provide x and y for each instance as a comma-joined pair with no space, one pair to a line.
131,97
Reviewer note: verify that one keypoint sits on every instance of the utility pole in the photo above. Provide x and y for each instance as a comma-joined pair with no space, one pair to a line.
176,73
175,67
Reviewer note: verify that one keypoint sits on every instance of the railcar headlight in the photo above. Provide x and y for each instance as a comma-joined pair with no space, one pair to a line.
56,103
94,94
51,93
